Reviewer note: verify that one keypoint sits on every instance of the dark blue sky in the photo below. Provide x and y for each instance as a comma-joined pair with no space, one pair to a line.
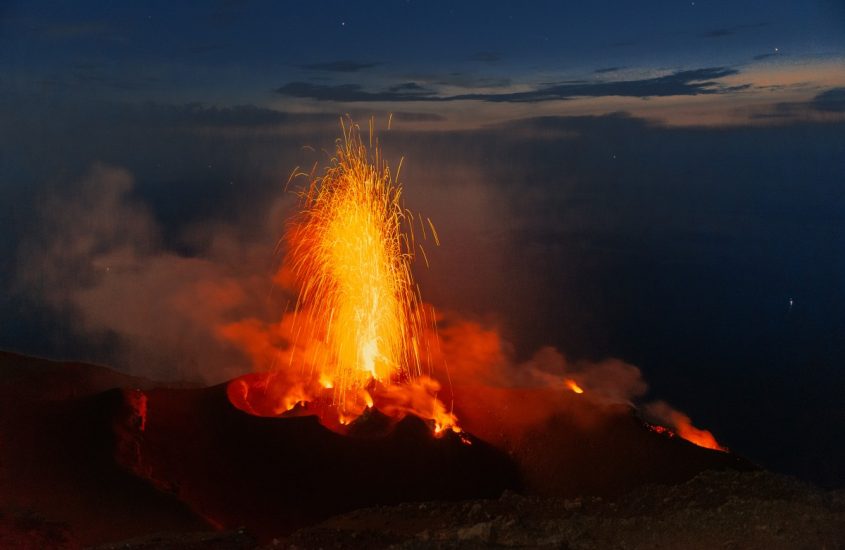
239,52
658,181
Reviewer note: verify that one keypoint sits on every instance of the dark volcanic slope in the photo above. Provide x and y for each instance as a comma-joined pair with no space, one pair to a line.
90,455
110,463
567,444
273,475
57,455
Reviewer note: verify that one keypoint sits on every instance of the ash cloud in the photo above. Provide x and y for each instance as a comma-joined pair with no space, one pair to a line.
483,378
478,355
98,258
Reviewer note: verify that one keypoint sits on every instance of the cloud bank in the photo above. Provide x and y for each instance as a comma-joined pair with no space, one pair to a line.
680,83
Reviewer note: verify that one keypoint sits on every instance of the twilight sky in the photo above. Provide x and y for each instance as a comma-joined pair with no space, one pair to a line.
485,60
659,182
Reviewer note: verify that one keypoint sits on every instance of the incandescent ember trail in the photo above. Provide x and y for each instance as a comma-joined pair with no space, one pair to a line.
360,334
350,253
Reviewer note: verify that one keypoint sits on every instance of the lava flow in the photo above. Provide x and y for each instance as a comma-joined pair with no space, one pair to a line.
360,331
573,386
681,425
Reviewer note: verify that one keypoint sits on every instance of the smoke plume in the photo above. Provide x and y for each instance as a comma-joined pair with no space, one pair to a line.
98,260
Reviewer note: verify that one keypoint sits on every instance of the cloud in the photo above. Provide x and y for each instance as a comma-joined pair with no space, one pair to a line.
410,116
341,92
199,114
688,82
410,88
762,56
340,66
460,79
829,104
832,100
605,70
470,80
680,83
98,258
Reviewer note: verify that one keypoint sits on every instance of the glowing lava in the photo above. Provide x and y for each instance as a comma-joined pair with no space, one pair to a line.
352,258
360,330
573,385
682,427
702,438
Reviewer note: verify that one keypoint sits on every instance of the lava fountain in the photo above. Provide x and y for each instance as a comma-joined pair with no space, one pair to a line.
352,258
360,333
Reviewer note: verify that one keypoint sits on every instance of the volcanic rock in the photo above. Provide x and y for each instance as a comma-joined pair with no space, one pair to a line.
107,457
57,459
96,456
274,475
727,509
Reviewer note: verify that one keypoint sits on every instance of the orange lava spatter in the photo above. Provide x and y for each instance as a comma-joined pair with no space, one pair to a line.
360,332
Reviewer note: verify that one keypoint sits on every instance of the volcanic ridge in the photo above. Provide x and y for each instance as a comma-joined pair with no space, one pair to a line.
92,456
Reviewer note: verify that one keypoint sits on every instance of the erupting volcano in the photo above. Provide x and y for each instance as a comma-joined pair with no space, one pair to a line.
296,275
345,407
361,334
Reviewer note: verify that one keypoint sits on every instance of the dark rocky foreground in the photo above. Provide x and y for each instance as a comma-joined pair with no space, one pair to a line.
713,510
740,510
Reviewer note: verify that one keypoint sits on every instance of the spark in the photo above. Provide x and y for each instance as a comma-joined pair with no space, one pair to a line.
353,261
360,334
